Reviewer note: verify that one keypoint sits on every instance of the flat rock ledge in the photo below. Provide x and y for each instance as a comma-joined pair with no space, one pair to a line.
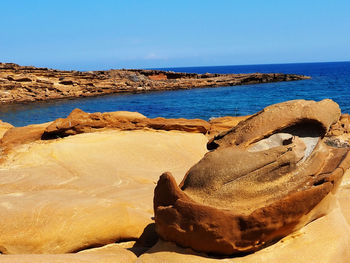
29,84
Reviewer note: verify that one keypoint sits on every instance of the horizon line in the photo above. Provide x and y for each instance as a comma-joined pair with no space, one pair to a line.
169,67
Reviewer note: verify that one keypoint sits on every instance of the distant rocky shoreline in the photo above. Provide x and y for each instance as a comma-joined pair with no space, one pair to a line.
20,84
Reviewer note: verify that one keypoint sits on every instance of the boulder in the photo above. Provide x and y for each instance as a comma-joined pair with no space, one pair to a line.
267,177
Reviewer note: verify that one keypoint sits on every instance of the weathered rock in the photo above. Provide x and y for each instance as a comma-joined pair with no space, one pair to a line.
194,125
82,122
21,135
79,122
86,190
325,240
4,126
29,84
221,124
342,126
266,178
264,123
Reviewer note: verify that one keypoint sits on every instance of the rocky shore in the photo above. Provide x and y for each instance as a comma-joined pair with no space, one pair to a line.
121,187
28,84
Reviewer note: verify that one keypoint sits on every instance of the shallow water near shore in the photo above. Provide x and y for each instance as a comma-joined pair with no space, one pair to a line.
329,80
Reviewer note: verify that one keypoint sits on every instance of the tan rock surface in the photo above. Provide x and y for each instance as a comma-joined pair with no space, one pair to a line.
221,124
344,196
107,254
4,126
86,190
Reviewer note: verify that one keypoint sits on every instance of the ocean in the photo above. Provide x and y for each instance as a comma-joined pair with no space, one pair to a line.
329,80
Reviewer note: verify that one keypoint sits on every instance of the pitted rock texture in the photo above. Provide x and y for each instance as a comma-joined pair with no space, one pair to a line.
267,177
28,84
341,127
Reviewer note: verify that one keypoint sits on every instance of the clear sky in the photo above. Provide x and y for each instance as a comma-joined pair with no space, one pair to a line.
103,34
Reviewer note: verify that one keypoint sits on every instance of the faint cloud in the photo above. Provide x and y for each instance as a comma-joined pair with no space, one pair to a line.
153,55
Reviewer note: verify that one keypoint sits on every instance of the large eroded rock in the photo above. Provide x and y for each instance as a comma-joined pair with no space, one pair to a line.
267,177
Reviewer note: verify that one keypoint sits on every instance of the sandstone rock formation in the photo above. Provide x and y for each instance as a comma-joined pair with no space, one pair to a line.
27,84
85,181
268,176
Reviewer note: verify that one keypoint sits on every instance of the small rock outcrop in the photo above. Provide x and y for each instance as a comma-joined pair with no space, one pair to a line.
4,126
79,122
266,177
29,84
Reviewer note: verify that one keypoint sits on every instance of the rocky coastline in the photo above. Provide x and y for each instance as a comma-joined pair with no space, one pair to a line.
19,84
121,187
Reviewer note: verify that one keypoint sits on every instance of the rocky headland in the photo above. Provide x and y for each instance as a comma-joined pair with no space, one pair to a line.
121,187
28,84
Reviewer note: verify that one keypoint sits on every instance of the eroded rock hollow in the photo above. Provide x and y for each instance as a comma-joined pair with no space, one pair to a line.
263,179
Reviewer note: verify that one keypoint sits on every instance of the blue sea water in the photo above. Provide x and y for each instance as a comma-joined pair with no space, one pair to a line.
329,80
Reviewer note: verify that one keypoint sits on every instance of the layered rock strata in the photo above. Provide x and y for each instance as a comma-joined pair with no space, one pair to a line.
265,178
28,84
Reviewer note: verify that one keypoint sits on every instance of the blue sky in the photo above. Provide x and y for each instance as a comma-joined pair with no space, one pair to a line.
103,34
